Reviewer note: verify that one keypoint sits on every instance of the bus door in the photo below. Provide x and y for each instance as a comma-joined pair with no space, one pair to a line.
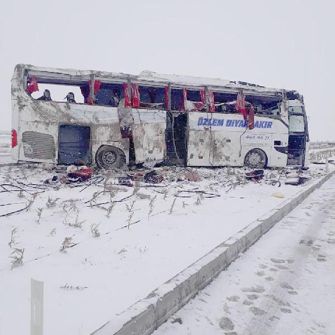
148,133
298,136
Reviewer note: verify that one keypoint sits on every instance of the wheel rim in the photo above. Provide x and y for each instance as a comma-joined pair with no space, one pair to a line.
108,158
255,159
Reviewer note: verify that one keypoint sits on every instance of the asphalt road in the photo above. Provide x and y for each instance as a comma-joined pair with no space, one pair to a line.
284,284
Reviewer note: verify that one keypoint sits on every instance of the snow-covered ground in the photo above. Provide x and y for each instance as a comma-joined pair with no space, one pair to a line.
99,247
284,284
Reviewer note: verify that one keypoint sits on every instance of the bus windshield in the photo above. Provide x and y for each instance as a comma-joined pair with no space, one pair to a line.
295,110
296,123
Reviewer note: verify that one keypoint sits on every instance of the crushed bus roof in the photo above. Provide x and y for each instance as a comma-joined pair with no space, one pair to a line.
47,74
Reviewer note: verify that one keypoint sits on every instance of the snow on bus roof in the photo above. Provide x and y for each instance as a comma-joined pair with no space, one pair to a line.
201,81
150,76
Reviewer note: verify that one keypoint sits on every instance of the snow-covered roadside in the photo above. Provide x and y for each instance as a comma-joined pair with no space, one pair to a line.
284,284
144,239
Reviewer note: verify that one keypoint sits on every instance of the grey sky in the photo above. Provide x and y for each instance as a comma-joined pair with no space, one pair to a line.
284,44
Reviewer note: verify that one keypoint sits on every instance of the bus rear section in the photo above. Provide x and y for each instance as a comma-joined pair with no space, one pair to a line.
89,134
80,132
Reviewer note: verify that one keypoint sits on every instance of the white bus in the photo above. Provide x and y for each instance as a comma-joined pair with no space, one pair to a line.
117,119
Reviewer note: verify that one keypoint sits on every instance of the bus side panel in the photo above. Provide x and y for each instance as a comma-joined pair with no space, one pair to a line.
39,123
199,139
224,140
225,149
149,135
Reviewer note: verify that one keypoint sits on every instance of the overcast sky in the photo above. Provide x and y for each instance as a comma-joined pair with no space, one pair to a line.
283,44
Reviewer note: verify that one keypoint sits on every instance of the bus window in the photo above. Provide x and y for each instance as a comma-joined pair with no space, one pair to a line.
193,96
152,97
177,101
109,95
58,92
224,103
196,100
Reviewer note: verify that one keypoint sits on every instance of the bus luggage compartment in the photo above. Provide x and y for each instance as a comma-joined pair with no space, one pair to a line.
74,144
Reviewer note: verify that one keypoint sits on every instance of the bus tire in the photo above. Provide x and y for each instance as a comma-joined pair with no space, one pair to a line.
109,157
256,158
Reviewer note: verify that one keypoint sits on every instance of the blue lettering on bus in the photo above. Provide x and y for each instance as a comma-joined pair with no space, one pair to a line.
263,124
203,121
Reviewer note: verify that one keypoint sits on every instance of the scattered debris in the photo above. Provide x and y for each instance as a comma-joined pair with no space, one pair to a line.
177,320
79,174
189,175
125,181
153,177
255,175
52,180
295,178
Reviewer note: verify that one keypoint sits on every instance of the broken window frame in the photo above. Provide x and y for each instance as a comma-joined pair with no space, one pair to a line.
136,102
111,87
229,97
53,79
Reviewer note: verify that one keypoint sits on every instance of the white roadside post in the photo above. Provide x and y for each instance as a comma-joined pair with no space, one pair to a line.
36,321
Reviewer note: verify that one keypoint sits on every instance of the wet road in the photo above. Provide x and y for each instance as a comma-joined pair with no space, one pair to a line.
284,284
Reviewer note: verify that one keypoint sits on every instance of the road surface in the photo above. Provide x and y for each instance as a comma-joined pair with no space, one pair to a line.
284,284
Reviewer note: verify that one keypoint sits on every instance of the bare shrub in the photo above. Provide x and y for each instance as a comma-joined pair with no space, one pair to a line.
95,231
172,205
13,236
16,257
66,244
51,202
151,205
39,214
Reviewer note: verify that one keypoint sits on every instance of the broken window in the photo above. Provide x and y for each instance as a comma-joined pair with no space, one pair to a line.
151,97
177,99
224,102
195,100
296,123
58,92
295,109
109,94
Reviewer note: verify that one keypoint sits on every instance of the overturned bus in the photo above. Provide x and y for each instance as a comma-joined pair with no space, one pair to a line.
114,119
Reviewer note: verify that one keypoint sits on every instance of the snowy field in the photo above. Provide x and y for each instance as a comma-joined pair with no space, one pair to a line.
284,284
100,251
100,246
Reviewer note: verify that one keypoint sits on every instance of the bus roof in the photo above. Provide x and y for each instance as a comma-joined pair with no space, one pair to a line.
150,77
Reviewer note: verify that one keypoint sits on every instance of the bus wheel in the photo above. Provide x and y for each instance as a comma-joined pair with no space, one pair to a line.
109,157
255,158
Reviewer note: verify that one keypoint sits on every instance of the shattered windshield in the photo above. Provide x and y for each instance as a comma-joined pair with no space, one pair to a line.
296,123
295,109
